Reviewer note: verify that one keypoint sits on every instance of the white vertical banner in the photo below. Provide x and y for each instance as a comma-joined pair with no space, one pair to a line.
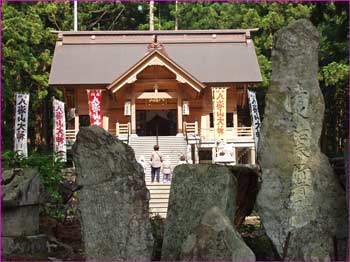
59,130
254,112
219,113
21,124
185,108
127,108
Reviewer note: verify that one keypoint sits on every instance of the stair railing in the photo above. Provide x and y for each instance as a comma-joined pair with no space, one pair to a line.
123,129
192,129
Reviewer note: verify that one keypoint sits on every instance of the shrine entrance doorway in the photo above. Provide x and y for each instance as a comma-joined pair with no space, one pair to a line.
156,122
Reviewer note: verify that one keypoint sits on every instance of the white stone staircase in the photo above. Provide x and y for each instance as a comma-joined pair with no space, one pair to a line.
172,146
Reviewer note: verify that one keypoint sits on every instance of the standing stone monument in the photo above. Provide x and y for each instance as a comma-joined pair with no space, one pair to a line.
114,200
301,204
20,213
215,239
194,190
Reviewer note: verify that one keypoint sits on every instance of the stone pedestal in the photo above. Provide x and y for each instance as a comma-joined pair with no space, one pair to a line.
20,213
24,245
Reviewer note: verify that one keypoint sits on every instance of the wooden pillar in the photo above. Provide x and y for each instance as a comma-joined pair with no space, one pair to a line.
235,115
76,124
213,155
196,154
105,122
179,114
133,114
234,155
204,126
252,155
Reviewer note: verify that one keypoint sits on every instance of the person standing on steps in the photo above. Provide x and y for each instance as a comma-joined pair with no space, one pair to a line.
142,162
166,170
156,163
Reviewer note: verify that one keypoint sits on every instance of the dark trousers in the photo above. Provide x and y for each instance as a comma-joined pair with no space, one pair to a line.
155,171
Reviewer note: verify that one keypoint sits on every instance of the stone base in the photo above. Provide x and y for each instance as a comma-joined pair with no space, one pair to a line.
20,221
24,245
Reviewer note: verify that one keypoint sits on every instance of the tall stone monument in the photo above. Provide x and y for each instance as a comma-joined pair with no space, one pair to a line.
114,200
301,204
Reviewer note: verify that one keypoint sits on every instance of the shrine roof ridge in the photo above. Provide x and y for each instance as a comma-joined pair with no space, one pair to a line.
159,32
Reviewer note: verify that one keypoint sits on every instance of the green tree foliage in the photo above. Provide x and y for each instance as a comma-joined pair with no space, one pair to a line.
28,47
332,22
268,17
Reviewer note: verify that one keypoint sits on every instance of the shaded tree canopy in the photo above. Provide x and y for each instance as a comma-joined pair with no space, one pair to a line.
28,45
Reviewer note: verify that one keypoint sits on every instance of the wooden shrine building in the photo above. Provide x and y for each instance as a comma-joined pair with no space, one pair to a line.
158,87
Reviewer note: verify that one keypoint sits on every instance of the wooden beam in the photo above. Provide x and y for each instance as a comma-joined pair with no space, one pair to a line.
156,81
151,95
156,106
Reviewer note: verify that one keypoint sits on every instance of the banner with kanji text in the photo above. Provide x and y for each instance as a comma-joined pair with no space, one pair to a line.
254,112
219,113
21,124
95,107
59,130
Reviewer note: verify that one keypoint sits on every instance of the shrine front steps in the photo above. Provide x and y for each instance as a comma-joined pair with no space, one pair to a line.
159,198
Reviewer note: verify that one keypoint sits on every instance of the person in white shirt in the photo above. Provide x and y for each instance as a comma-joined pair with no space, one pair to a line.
142,162
166,170
156,163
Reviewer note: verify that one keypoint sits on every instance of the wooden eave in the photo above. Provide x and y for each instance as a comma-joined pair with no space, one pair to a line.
155,58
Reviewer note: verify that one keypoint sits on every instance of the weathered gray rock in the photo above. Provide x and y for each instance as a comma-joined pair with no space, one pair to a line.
114,200
195,189
20,187
299,189
215,239
20,202
24,245
20,221
311,242
20,212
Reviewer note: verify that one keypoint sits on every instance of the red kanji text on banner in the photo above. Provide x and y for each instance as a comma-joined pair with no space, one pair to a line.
95,107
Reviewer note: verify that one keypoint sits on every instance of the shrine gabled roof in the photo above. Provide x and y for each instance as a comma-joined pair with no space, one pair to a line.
210,56
155,57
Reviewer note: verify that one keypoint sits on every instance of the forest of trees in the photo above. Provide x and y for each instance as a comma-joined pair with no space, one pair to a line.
28,45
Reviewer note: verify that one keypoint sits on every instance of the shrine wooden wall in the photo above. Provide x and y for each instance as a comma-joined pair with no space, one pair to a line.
113,104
